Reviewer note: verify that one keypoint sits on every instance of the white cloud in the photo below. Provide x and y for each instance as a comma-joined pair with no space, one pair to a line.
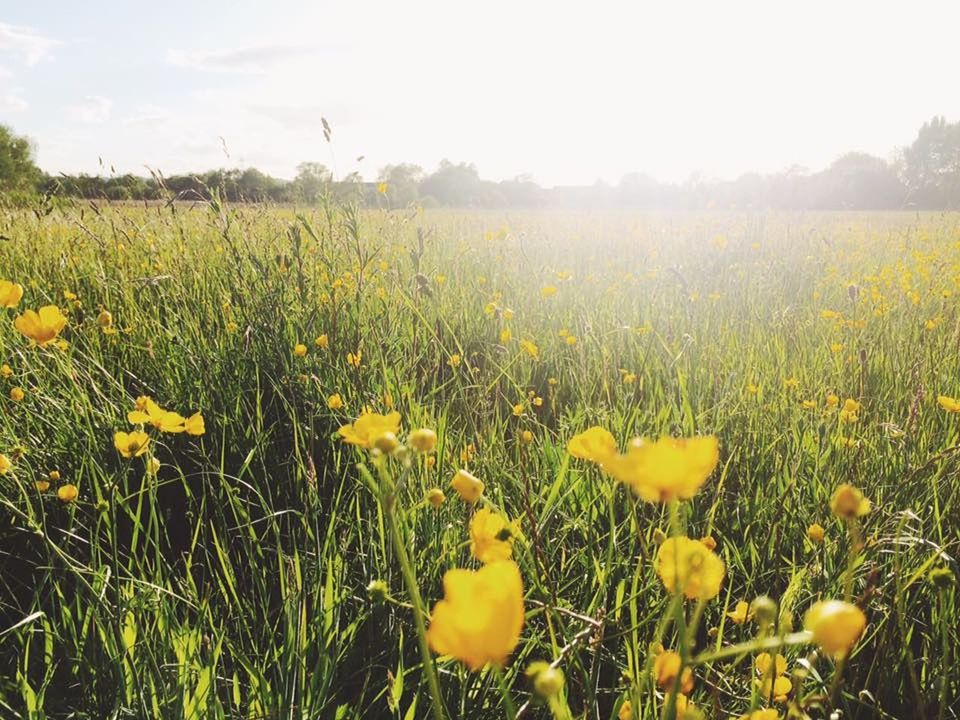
147,115
10,102
94,110
252,59
27,43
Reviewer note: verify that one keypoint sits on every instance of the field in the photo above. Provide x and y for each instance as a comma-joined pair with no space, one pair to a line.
258,565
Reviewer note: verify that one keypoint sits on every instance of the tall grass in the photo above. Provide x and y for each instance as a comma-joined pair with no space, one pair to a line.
233,582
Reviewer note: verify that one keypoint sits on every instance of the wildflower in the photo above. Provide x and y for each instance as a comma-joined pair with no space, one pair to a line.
17,394
832,400
506,335
42,485
815,533
836,625
951,405
132,444
5,464
740,614
153,466
105,319
849,411
377,591
468,487
773,682
436,497
369,427
153,414
386,443
5,371
491,536
686,566
517,409
194,424
848,502
809,405
480,617
335,402
423,440
10,294
530,349
629,378
42,326
455,360
231,327
321,342
595,444
67,493
791,382
626,711
300,350
667,469
766,714
54,475
752,389
526,437
666,667
708,542
548,291
547,681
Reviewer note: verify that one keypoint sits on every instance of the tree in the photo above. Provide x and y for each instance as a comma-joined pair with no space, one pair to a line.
309,184
18,173
454,185
402,181
931,165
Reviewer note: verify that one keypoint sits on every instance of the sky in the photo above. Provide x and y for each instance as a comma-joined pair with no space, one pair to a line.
565,92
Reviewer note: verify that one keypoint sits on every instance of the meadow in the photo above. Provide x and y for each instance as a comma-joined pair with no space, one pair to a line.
208,508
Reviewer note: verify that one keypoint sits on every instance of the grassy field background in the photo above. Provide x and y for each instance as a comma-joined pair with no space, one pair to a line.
232,582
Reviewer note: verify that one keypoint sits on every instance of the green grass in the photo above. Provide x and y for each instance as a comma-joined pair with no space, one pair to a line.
233,584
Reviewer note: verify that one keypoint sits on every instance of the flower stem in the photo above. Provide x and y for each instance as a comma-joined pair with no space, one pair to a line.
509,708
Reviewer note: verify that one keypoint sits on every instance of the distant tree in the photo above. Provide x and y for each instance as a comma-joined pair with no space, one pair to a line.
403,183
309,184
931,165
858,181
457,185
521,192
18,173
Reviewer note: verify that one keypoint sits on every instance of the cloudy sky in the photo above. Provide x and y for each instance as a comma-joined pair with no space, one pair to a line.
567,92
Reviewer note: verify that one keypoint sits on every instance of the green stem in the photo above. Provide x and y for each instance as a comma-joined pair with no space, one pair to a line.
509,708
410,579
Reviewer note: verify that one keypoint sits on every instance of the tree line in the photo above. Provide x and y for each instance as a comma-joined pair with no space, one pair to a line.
924,175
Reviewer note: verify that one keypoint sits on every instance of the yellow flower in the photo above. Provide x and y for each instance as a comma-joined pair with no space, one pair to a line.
321,342
596,444
530,349
454,360
335,402
491,536
468,487
300,350
740,614
629,378
836,625
104,319
526,437
951,405
809,404
42,326
517,409
153,414
42,485
791,382
666,667
423,440
54,475
506,335
687,566
153,466
194,424
5,371
132,444
626,711
752,389
766,714
67,493
832,400
548,291
848,502
481,615
667,469
370,427
766,665
849,411
17,394
5,464
436,497
816,533
10,293
355,359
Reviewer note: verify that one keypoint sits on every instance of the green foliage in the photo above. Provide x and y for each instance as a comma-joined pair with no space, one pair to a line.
18,173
